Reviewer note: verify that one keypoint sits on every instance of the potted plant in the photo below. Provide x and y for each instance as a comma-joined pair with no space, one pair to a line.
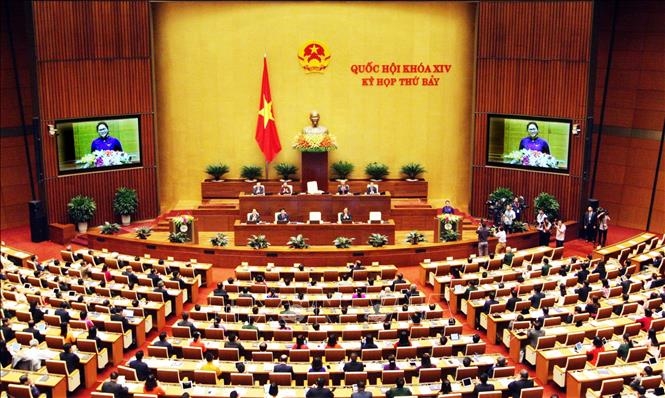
81,209
257,242
412,171
251,172
342,242
177,237
143,232
286,170
109,228
376,171
219,240
548,204
341,169
125,203
414,237
377,240
519,226
297,242
217,170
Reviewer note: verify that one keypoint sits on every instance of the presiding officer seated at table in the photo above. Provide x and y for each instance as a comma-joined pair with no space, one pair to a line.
343,188
282,217
258,189
372,189
344,216
253,217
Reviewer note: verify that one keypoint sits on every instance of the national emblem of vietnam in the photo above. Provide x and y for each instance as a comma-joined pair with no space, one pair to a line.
314,56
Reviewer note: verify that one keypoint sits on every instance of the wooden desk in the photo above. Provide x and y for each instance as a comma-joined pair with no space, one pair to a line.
613,251
16,256
299,206
385,271
56,385
87,364
317,234
578,381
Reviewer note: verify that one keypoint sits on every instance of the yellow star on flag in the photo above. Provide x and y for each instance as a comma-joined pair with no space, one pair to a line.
266,112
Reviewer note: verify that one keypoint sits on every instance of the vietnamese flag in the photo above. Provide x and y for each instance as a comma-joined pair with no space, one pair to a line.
266,131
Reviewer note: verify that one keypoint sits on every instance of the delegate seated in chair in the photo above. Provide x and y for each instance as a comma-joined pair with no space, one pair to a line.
343,188
372,189
258,189
286,189
344,216
253,217
282,217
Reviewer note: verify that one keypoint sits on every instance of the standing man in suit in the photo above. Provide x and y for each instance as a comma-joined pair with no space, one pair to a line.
372,188
283,216
258,189
590,219
516,387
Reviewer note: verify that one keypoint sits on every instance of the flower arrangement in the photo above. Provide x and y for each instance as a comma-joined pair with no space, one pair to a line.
104,158
184,219
315,142
257,242
177,237
297,242
377,240
342,242
109,228
143,232
529,157
219,240
414,237
448,227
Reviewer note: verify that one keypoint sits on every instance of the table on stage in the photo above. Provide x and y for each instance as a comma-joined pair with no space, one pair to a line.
299,206
317,234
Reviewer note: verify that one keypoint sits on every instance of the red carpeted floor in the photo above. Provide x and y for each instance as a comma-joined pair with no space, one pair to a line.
20,238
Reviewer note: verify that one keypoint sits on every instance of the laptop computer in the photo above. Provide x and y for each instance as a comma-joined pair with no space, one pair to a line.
466,381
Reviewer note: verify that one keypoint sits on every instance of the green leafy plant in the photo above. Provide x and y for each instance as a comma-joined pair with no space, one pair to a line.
258,242
81,208
341,169
376,171
377,240
217,170
297,242
109,228
286,170
219,240
342,242
548,204
125,201
412,170
449,235
519,226
143,232
414,237
177,237
251,172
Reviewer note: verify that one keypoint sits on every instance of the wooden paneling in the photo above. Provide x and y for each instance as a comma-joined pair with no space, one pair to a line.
94,60
533,58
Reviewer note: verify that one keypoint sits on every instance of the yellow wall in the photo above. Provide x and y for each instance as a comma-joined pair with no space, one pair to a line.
208,80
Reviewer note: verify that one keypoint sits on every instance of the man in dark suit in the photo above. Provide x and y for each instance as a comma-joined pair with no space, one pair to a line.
186,322
372,189
590,219
154,277
35,333
62,312
354,365
220,291
253,216
112,386
537,296
162,342
7,331
516,387
141,368
343,188
483,385
512,301
131,276
116,316
258,189
583,292
72,360
282,216
282,367
319,391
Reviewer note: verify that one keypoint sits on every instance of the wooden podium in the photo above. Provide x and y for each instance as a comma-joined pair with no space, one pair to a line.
314,167
188,229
